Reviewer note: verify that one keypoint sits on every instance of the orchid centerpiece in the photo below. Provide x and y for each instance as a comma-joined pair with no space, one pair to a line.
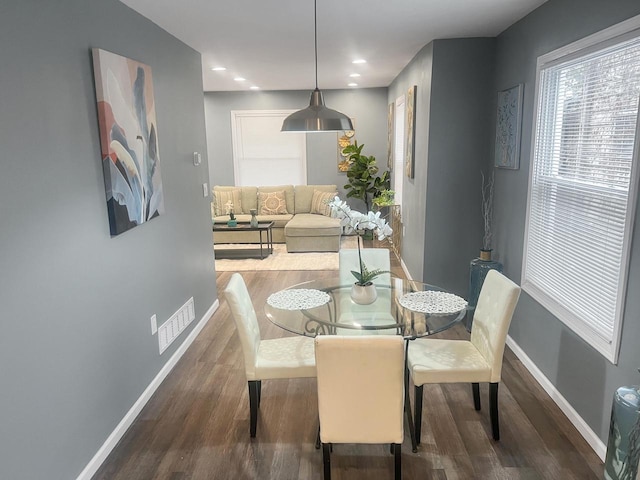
359,222
229,209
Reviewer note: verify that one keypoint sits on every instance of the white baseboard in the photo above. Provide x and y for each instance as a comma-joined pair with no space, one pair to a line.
589,435
406,270
113,439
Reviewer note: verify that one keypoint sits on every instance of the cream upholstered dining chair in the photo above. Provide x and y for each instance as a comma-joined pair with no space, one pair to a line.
360,392
473,361
289,357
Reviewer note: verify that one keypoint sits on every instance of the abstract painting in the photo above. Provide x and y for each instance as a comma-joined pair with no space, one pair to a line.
128,140
390,130
410,125
508,126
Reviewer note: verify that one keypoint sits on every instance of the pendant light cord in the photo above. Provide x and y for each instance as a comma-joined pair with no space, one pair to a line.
315,33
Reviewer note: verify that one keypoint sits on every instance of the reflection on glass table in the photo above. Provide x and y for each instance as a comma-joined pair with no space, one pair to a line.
404,307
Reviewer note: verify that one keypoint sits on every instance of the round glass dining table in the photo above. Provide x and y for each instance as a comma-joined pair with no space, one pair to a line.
402,307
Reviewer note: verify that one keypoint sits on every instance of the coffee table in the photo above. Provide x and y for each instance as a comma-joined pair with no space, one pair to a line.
266,244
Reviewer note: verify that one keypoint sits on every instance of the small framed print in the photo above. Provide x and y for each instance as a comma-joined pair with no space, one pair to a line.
390,132
410,125
345,139
508,128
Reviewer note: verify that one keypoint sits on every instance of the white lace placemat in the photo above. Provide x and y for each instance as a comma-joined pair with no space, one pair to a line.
433,302
298,299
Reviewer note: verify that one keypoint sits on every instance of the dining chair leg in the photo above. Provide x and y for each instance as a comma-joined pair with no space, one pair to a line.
493,409
326,460
254,400
407,401
397,460
259,392
417,399
476,395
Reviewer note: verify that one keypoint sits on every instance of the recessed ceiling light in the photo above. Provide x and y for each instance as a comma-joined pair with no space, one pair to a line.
360,60
218,69
354,75
239,79
353,84
254,88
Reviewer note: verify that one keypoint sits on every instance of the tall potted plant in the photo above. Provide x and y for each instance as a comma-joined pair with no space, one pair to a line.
364,181
479,267
487,216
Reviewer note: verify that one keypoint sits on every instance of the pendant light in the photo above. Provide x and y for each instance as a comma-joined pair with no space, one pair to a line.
316,117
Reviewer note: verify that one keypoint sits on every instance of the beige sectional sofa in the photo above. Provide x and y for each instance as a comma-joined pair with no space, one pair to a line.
303,225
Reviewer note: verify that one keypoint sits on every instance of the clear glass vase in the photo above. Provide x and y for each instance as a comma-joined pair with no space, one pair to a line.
254,220
478,269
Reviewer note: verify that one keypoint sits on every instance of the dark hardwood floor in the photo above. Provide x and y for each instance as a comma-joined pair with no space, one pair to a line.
196,426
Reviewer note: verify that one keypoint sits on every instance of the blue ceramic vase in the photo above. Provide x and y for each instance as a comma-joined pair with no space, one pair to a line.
478,269
623,447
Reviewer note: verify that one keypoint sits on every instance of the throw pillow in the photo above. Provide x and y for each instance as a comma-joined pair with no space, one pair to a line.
272,203
222,198
320,202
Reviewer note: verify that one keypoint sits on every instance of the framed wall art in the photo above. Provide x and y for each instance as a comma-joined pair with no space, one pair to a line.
390,135
345,139
410,125
128,140
508,128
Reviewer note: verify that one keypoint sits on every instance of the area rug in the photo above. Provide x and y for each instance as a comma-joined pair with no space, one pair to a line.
281,260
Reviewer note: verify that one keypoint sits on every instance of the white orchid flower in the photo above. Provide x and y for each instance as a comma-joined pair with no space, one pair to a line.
359,221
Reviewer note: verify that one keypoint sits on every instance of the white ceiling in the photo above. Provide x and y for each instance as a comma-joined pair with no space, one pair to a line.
271,44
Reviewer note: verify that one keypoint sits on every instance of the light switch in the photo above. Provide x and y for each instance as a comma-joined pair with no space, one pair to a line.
154,324
205,189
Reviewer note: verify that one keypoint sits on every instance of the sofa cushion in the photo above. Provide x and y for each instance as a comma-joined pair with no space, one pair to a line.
320,202
311,225
248,197
223,198
279,221
288,195
304,196
272,203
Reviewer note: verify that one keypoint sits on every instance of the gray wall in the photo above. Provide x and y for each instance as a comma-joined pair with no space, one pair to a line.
582,375
76,349
367,107
454,114
462,113
414,191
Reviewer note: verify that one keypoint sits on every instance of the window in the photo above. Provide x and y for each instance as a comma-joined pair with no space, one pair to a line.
262,154
583,183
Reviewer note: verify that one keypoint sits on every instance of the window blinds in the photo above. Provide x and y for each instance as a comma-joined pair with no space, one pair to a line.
582,184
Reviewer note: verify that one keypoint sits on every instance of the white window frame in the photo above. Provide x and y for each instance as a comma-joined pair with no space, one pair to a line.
609,349
237,142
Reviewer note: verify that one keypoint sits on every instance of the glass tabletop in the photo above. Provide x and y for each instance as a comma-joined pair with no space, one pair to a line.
402,307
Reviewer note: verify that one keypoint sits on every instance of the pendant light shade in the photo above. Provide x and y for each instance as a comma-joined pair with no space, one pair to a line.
316,117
